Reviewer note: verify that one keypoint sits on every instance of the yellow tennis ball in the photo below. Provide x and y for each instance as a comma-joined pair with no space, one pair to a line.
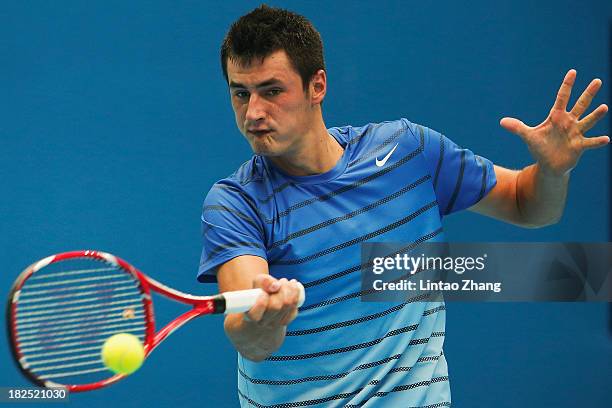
123,353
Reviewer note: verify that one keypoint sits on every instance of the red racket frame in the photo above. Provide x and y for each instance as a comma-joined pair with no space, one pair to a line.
202,305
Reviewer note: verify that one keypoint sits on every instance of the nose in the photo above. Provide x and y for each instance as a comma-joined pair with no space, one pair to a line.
255,111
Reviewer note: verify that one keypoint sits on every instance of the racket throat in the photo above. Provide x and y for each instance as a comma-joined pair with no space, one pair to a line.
218,304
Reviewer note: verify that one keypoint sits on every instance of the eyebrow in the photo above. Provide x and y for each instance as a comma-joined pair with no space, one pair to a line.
268,82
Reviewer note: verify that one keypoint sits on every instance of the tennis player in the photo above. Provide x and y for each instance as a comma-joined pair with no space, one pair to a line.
310,195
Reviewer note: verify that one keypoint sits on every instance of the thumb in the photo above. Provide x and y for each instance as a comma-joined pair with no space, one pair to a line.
514,126
266,282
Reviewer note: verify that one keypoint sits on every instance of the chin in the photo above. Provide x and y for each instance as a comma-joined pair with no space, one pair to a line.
266,153
263,148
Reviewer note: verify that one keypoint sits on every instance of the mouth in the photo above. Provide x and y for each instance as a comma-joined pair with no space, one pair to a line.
259,133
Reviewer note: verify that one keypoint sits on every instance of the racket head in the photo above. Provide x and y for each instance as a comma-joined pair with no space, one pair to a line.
62,309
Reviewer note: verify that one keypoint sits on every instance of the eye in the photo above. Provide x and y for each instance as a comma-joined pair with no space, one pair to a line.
273,92
241,94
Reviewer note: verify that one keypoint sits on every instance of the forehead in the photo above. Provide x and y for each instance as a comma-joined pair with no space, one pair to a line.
276,65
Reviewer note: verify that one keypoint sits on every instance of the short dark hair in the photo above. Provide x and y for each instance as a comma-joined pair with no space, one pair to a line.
266,30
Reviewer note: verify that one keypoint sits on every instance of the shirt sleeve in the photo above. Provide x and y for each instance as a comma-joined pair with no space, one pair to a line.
231,227
460,178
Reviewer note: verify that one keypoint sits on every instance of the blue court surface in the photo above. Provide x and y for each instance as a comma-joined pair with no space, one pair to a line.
115,121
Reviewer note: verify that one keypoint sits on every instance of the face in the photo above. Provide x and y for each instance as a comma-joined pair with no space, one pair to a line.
272,110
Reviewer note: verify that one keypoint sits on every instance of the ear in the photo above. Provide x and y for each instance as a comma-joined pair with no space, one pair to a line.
318,87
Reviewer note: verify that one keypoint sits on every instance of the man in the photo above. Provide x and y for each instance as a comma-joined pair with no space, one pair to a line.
301,207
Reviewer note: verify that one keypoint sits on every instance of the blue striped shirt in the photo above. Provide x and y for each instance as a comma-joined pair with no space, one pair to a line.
340,351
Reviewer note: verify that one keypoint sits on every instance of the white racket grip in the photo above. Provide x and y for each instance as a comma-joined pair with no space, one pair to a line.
242,300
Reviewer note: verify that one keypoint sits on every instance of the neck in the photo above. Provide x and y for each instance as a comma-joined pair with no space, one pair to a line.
318,154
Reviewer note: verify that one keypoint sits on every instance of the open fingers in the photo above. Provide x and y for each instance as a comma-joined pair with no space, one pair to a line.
582,104
592,118
595,142
565,90
515,126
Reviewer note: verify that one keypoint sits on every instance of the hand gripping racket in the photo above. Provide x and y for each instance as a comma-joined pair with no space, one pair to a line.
62,309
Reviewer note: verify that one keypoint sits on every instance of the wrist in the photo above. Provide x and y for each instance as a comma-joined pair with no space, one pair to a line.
547,173
251,339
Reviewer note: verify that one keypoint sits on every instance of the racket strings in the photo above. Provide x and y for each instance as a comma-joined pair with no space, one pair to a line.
43,320
53,335
100,292
64,359
104,320
75,302
31,361
81,307
79,287
48,342
67,310
71,281
76,373
72,272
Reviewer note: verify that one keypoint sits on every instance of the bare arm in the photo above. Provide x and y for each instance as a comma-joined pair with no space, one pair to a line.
528,198
261,331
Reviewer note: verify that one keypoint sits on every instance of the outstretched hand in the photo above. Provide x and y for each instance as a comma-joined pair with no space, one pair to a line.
558,142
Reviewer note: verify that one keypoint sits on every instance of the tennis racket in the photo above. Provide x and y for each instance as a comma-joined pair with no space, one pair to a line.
63,308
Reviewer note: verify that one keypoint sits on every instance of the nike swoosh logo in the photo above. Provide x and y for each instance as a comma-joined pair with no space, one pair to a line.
382,162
